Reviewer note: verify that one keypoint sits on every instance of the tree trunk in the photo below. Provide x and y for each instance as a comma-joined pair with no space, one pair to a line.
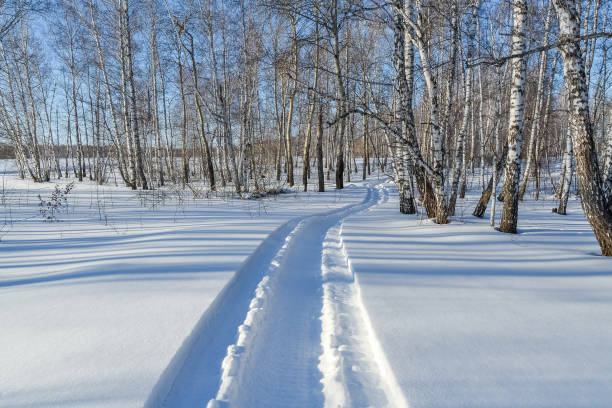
73,74
404,119
341,95
366,131
458,163
594,203
154,63
515,131
313,100
537,109
130,71
567,176
184,152
485,197
127,119
320,170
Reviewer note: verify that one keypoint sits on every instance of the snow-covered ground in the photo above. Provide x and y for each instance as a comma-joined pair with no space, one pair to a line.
94,307
335,299
470,317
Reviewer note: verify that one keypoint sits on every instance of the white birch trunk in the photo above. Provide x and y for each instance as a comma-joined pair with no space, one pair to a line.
537,109
440,190
595,203
515,131
567,176
458,164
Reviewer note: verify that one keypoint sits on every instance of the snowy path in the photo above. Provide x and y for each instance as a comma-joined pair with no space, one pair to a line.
303,339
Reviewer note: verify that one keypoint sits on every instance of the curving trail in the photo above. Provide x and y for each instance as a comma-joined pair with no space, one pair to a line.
292,327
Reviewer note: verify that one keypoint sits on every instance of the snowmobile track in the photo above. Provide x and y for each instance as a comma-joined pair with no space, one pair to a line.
292,327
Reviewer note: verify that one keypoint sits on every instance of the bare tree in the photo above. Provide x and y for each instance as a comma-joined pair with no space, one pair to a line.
596,203
515,130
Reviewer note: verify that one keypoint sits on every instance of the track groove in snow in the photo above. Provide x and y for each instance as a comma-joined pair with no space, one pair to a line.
355,370
304,340
192,377
246,336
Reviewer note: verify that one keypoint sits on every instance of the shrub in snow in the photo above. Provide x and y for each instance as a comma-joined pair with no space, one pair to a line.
49,208
267,193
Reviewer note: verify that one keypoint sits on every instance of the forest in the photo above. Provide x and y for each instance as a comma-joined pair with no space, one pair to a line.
306,203
241,93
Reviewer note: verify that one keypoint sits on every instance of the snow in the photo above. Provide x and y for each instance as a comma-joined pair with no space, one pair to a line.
355,369
470,317
93,309
274,360
335,299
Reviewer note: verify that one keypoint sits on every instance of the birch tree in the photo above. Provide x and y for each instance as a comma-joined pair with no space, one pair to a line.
515,130
537,108
313,100
596,203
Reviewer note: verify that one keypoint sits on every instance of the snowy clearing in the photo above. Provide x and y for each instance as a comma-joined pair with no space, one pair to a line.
93,310
301,300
